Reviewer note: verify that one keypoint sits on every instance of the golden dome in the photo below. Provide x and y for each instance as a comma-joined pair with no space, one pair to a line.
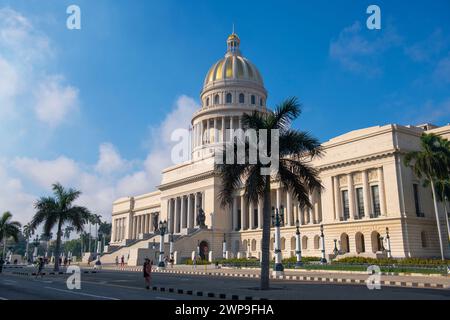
233,66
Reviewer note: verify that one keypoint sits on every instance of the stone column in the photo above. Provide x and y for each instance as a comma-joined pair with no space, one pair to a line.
289,208
382,191
351,196
251,216
208,129
337,199
317,206
182,213
244,225
311,210
195,207
190,221
170,215
215,130
224,130
260,213
231,128
235,214
175,217
201,133
366,194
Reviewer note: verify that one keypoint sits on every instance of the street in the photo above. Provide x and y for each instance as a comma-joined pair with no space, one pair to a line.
124,285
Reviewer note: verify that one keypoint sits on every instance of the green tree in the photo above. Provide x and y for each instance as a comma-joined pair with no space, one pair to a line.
431,162
58,210
67,232
27,233
295,174
8,229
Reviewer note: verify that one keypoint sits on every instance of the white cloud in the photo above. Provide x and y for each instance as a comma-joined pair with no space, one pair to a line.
109,160
428,49
359,52
442,71
55,101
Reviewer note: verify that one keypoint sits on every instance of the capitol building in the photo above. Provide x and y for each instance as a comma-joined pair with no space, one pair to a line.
367,189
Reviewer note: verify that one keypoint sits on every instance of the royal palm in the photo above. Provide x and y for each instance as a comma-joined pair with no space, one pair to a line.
57,211
432,163
8,229
295,174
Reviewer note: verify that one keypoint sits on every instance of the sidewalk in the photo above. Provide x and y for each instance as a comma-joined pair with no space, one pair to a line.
415,281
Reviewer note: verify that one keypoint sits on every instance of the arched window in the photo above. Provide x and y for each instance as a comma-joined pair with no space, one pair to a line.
293,241
423,238
376,242
228,98
207,102
244,245
305,243
241,98
283,244
253,99
253,245
316,242
345,243
216,99
261,102
360,245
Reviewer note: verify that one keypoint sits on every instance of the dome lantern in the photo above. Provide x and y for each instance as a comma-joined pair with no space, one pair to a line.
233,43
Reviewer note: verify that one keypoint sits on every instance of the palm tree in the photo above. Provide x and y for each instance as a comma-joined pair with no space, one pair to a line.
27,232
432,163
8,229
95,219
57,211
443,192
294,173
67,232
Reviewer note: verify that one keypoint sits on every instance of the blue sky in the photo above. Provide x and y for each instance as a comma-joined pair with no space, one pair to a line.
92,107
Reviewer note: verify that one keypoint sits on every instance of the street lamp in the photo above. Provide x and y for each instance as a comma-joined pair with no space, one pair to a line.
323,260
278,268
388,240
336,250
171,245
298,249
224,247
162,232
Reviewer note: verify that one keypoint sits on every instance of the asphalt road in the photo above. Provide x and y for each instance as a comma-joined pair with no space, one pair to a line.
123,285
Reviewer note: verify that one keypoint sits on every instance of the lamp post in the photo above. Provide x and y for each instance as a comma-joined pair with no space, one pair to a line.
388,242
162,232
323,260
224,247
171,245
298,248
336,250
278,268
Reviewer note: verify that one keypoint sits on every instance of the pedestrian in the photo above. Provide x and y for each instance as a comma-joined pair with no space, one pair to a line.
41,265
65,262
147,269
171,263
117,261
122,261
2,262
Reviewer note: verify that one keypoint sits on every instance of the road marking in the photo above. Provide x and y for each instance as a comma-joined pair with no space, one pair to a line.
82,294
161,298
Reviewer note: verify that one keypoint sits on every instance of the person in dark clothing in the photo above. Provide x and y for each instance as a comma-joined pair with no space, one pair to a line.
41,265
147,269
2,262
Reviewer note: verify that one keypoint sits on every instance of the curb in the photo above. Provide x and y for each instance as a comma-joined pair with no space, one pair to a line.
51,273
217,296
406,284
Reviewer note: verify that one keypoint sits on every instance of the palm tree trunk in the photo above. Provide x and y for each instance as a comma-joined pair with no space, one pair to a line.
27,249
4,248
58,245
437,219
265,243
446,218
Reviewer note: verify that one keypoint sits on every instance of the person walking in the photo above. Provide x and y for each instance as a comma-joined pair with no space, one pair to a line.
147,269
117,261
122,261
2,262
41,265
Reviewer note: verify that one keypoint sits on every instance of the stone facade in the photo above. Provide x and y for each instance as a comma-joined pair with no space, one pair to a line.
367,189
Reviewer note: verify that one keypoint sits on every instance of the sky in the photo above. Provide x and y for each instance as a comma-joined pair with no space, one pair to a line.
94,108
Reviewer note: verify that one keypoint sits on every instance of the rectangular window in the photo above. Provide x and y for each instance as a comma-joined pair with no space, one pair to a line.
255,218
376,201
239,222
360,202
345,205
416,200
